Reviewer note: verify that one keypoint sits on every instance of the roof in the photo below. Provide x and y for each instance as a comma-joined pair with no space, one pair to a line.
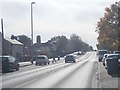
13,41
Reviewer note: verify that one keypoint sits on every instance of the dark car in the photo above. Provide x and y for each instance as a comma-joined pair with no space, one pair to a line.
112,57
70,58
9,63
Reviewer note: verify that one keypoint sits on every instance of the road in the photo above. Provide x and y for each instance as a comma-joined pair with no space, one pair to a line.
59,75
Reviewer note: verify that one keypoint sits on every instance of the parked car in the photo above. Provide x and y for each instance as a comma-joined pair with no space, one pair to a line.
70,58
116,52
103,59
101,54
9,63
112,57
42,59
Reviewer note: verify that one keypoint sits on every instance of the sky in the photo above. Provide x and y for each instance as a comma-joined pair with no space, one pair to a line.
53,18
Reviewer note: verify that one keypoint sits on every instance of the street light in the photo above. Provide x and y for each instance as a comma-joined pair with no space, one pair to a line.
32,21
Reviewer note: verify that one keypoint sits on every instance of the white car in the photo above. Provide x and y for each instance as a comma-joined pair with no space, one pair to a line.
42,59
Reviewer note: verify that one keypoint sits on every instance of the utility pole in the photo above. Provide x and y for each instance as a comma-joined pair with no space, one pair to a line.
2,35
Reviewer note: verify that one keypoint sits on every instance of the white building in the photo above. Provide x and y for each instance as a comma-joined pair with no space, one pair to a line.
12,47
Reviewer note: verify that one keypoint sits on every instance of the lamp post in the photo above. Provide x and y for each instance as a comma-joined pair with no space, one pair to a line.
32,21
2,36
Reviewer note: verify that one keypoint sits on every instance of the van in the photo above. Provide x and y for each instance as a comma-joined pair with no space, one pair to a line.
101,54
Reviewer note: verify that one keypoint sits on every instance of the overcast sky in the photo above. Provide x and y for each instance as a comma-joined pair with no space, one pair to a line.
53,17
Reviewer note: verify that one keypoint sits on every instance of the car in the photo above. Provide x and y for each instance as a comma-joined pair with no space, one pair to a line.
9,63
42,59
116,52
101,54
70,58
103,59
112,57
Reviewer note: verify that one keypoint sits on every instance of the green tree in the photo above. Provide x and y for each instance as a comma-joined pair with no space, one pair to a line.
61,44
75,42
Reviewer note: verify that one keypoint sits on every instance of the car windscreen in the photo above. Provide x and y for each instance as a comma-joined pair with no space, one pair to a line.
69,57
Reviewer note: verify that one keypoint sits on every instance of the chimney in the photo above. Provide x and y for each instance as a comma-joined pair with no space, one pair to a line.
38,39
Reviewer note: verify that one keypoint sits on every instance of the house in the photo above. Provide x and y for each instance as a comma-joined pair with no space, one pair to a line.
0,44
12,47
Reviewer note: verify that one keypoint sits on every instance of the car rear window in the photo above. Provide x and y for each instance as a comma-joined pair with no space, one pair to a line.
114,56
69,57
117,52
40,57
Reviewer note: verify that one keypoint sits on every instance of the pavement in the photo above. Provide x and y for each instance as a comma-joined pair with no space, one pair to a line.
106,80
23,64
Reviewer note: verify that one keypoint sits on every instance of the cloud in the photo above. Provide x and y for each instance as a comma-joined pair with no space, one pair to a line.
53,18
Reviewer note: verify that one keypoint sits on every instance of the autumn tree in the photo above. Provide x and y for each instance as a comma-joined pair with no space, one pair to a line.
108,29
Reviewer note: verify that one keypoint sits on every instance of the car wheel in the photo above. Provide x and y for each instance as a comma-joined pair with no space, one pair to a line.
17,68
105,67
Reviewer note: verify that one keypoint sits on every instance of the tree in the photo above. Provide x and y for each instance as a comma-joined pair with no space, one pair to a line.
28,52
61,45
65,46
25,40
108,29
75,42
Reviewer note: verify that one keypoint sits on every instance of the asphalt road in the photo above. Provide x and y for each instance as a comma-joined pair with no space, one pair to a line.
59,75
